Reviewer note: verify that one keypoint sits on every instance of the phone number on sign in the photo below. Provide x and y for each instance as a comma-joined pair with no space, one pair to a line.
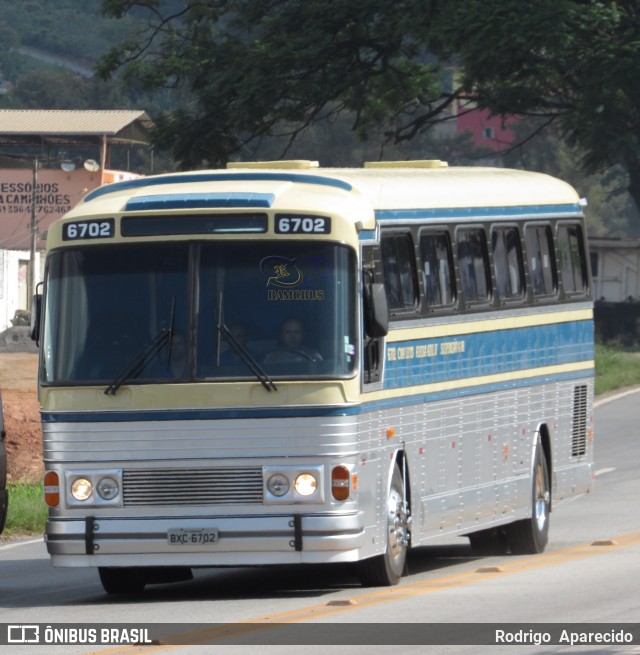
26,209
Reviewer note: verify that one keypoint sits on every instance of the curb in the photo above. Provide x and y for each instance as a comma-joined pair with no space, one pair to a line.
616,396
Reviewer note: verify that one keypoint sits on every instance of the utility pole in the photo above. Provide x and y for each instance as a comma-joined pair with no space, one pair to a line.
34,236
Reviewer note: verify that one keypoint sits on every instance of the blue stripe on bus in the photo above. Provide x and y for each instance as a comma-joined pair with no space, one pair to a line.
428,361
200,200
479,212
408,400
141,183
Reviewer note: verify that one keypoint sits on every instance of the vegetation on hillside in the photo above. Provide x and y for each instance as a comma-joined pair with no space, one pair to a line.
72,28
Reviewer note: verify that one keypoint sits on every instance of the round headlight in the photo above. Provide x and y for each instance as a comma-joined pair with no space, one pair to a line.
107,488
278,484
306,484
81,489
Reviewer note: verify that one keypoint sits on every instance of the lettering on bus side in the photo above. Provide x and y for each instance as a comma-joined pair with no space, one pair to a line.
422,351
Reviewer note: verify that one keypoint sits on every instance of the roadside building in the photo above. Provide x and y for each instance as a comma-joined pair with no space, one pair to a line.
615,264
50,159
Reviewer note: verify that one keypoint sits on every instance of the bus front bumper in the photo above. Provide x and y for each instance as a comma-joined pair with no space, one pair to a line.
205,541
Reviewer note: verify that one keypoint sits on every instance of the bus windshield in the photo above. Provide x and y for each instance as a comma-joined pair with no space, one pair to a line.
199,312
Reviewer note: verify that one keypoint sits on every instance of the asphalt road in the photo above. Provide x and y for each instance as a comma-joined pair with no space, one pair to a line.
588,574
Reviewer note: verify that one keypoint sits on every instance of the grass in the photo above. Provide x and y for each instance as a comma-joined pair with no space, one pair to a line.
27,511
615,369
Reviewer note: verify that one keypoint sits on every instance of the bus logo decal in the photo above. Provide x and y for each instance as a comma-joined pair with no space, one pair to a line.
281,272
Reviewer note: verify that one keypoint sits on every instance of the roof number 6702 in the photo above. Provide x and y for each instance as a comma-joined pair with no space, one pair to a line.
302,225
88,230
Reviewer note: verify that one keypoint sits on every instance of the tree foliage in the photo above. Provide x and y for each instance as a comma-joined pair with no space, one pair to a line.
611,210
257,68
250,69
572,62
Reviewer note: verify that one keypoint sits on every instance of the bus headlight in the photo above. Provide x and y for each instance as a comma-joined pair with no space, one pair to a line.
293,484
81,489
93,488
278,485
107,488
305,484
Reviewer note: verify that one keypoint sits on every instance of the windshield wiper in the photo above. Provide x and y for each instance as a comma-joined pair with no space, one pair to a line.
247,358
242,352
140,362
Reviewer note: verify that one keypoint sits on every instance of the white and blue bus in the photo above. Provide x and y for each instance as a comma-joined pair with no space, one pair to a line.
277,363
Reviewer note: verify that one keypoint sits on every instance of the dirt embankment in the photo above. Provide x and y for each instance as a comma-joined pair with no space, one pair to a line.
18,382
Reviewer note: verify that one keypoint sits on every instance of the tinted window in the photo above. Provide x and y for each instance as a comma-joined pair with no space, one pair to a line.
437,268
507,263
289,304
540,259
106,307
474,265
288,307
572,259
399,271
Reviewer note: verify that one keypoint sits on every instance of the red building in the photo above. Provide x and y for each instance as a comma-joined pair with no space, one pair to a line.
493,132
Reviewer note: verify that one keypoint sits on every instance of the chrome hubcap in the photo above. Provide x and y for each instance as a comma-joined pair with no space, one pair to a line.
397,525
542,498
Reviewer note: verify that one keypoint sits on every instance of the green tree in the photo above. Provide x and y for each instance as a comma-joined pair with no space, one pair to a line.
573,63
250,69
610,210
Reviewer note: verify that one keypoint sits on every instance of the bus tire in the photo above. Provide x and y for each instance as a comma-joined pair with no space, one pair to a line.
386,570
121,580
530,536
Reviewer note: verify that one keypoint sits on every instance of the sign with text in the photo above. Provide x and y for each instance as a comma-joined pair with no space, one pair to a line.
56,193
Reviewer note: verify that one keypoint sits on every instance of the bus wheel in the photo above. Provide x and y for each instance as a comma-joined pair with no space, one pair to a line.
530,536
387,569
121,580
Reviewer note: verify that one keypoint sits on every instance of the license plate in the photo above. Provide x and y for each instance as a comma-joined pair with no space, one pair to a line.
192,536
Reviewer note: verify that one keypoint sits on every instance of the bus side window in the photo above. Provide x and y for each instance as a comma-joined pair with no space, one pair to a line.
398,264
542,265
573,263
507,263
437,268
473,262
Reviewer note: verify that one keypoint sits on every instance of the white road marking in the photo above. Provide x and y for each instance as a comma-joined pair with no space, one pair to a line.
17,544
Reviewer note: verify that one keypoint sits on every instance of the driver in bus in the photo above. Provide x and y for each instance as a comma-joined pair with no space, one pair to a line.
292,345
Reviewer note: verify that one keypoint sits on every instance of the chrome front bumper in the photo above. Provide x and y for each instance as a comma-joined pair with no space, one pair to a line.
242,540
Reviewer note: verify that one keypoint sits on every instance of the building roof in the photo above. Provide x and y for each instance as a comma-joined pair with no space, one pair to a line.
74,126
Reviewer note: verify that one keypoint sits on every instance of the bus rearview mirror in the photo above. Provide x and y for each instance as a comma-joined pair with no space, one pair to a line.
377,310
